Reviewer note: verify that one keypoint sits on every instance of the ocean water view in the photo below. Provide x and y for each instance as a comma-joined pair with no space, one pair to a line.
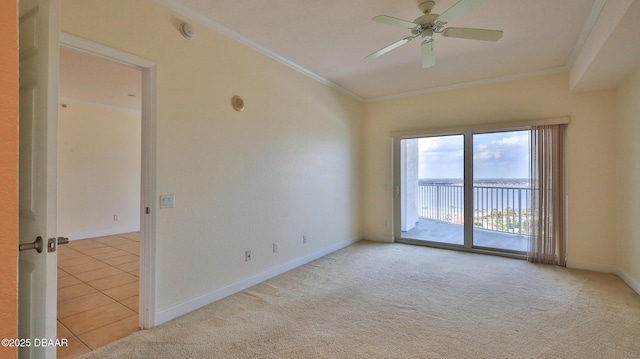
484,182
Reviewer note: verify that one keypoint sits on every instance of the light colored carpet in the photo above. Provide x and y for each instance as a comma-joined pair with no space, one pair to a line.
374,300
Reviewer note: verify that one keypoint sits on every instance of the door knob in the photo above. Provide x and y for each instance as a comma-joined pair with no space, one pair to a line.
38,245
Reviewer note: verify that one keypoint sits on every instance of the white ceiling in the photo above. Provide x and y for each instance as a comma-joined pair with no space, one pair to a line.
331,38
90,79
597,40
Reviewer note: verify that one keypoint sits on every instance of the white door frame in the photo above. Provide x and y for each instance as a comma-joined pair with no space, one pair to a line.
148,185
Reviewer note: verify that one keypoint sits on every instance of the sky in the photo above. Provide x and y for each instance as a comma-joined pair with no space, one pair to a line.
495,155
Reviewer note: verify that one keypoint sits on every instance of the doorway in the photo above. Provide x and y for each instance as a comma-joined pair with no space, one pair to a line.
99,169
39,48
467,191
142,241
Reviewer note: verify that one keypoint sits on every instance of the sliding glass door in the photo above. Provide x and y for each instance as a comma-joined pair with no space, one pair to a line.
467,191
432,196
501,193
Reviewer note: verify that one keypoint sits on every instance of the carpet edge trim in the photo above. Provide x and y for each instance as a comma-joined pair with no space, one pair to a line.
631,282
378,238
591,266
607,268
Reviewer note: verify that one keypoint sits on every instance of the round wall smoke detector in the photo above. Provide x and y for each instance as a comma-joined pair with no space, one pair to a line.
187,30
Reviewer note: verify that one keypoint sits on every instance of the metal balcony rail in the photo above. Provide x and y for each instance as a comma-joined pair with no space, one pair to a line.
495,208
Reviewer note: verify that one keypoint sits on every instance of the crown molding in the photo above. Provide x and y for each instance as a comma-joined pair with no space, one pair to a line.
598,5
215,26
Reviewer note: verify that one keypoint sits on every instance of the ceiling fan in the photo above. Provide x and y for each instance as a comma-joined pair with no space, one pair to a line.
429,24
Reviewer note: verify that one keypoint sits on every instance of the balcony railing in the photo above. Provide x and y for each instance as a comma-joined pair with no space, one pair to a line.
501,209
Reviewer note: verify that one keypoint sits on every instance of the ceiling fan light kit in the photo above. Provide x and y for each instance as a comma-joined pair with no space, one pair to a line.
429,24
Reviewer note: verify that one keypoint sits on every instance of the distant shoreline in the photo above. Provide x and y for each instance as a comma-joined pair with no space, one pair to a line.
482,181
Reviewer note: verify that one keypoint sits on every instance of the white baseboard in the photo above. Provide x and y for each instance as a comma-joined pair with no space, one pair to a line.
378,238
189,305
591,266
631,282
101,233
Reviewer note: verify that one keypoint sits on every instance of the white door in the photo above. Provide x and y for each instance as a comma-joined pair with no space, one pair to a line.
39,32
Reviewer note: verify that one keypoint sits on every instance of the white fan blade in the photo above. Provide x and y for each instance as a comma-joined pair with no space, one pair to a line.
394,21
473,34
428,54
386,49
458,9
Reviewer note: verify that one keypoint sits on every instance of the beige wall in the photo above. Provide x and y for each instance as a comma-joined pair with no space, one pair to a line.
628,179
591,151
8,173
285,167
98,171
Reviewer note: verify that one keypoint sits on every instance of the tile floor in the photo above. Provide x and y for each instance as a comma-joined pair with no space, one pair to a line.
97,291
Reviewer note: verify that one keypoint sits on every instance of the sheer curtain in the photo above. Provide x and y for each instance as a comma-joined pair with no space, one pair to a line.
547,223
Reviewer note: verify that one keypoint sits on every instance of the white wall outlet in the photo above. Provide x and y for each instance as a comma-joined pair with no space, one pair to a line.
116,217
247,256
275,248
167,201
304,239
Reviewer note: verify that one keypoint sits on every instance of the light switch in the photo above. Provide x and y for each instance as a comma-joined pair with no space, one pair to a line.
167,201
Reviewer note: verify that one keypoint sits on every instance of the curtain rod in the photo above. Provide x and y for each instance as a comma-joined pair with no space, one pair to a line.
507,126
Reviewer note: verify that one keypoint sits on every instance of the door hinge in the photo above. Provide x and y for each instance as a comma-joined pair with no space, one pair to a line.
147,211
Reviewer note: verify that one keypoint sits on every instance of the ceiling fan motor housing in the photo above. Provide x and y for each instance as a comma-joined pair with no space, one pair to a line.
427,25
426,6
